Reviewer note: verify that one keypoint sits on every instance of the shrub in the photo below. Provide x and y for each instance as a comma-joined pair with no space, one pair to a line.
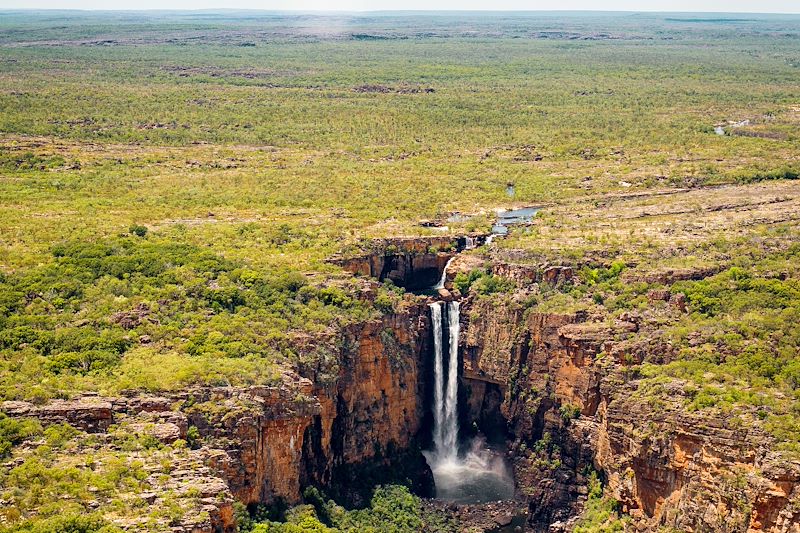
569,412
138,230
13,431
69,523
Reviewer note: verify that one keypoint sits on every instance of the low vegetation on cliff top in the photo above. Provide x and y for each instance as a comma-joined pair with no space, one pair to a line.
152,312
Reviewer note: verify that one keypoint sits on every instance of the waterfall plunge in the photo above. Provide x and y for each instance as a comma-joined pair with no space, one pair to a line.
443,279
438,375
480,475
445,394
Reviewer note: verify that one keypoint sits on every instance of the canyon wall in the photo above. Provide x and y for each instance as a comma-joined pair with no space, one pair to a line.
413,263
345,419
571,401
351,422
351,413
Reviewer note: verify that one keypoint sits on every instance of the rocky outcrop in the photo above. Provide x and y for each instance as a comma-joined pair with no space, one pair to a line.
88,413
413,262
570,402
693,471
525,275
356,414
671,275
350,422
372,412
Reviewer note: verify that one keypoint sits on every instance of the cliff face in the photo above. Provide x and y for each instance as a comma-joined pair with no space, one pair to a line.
689,471
413,263
351,416
357,414
371,413
351,424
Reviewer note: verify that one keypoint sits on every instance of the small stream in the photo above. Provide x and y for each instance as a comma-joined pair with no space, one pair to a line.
719,129
511,217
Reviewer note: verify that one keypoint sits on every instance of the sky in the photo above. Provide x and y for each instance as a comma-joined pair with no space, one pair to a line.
742,6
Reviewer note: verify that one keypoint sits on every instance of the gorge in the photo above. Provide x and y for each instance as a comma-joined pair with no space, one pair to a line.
397,382
399,271
478,398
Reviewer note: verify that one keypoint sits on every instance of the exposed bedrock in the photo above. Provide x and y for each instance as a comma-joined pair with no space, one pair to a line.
413,263
347,422
354,412
692,471
353,424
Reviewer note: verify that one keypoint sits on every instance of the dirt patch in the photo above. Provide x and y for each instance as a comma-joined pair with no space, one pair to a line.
385,89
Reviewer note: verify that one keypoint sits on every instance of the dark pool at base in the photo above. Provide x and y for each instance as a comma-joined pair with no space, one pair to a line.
474,487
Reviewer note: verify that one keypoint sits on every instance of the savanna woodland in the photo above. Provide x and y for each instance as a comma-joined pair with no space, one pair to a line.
271,272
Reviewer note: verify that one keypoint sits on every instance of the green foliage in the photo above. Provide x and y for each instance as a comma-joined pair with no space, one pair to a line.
188,301
138,230
57,435
393,509
601,514
69,523
193,437
13,431
50,486
569,412
738,347
483,282
463,281
593,276
313,496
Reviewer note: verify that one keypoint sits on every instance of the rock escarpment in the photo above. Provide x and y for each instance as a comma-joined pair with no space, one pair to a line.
571,402
414,262
350,424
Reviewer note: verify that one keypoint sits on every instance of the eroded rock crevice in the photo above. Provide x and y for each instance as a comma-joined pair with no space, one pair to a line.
414,263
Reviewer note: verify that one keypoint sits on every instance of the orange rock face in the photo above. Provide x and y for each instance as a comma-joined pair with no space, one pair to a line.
414,262
667,467
277,439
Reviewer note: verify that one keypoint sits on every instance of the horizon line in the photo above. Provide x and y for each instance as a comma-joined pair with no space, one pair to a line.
405,11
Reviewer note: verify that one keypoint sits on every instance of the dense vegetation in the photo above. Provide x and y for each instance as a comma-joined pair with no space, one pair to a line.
118,313
392,509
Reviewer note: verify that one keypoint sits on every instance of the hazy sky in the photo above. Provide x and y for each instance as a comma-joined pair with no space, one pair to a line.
748,6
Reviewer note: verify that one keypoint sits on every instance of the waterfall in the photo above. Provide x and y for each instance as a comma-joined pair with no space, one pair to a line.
450,430
480,475
443,279
438,374
445,395
470,243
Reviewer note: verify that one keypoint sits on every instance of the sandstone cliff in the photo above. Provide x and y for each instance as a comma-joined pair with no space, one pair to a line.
350,424
563,380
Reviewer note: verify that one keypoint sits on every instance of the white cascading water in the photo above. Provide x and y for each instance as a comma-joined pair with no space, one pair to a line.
480,475
449,447
438,375
443,279
445,394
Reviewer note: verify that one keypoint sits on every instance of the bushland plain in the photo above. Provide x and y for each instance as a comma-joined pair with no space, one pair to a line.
191,172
